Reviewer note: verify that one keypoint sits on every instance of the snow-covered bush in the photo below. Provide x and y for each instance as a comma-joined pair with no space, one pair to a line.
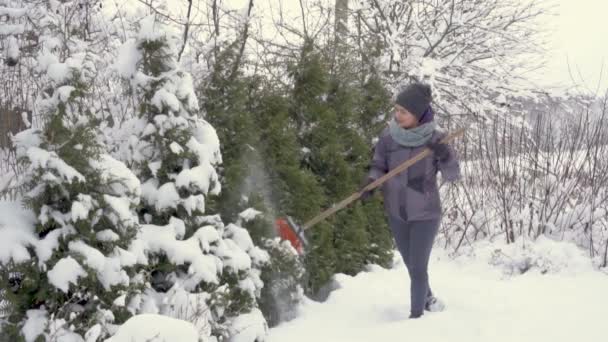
542,255
554,185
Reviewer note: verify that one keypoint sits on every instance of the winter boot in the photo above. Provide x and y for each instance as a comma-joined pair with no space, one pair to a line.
415,315
433,304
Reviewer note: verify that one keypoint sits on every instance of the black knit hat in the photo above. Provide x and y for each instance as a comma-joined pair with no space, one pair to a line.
416,98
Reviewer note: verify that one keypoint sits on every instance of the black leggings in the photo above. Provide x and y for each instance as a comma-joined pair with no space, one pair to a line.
414,241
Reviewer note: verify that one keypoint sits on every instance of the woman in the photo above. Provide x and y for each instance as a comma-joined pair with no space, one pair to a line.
411,198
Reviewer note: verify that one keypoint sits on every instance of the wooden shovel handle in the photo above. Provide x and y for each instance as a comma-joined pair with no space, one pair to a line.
379,181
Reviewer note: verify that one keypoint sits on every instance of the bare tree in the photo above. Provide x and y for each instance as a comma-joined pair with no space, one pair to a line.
472,52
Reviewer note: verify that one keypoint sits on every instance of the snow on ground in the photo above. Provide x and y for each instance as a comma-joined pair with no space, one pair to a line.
483,304
148,328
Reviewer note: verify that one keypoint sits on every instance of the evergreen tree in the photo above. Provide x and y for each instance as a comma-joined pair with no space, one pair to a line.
227,107
372,112
294,190
262,170
325,108
320,133
201,270
80,271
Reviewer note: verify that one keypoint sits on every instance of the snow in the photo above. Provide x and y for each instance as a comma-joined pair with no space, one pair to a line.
108,269
128,57
192,307
176,148
64,92
14,13
249,327
127,258
81,207
92,335
45,247
155,328
59,72
195,178
8,29
154,166
149,29
120,301
234,257
6,181
165,123
111,170
122,210
25,119
149,191
162,239
61,332
179,227
243,242
65,271
26,139
207,236
483,303
193,203
45,58
240,236
35,324
12,50
40,158
429,67
107,235
16,232
249,214
543,255
205,143
185,90
167,197
163,98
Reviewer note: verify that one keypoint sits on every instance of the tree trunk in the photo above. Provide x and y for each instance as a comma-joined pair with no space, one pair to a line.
341,19
340,28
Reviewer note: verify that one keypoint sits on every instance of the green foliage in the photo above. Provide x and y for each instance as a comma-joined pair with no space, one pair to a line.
330,110
227,107
313,142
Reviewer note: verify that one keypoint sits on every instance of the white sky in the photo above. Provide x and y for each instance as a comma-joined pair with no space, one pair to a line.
577,34
579,37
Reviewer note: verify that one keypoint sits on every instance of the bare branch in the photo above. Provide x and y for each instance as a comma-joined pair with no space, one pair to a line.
186,28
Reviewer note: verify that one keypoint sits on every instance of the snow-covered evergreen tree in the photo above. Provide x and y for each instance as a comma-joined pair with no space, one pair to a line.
200,269
79,272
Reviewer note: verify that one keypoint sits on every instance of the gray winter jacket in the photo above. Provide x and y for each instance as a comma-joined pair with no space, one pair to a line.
413,194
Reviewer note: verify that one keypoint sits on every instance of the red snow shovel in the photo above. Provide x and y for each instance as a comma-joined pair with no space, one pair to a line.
289,230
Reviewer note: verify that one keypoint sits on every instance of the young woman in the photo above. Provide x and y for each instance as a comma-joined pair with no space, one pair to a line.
411,198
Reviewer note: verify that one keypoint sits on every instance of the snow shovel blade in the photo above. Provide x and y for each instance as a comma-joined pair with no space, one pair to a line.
289,230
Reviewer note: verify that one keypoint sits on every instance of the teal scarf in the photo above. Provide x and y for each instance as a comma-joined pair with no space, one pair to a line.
412,137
